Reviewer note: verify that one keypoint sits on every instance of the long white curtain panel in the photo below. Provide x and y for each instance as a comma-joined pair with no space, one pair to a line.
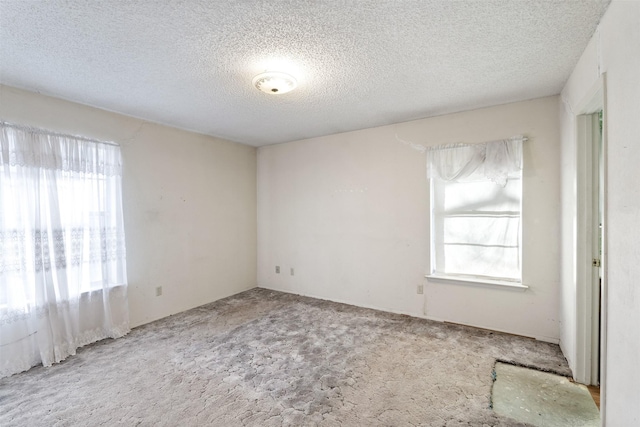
63,280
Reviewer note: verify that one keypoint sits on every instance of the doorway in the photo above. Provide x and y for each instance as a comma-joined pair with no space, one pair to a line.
591,240
597,217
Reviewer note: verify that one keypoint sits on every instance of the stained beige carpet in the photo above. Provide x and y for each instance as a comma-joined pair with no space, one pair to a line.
264,358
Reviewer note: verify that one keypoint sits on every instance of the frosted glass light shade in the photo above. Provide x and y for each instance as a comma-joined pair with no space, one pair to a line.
274,83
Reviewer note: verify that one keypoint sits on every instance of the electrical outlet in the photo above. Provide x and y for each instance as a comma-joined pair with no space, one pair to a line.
159,291
420,289
292,271
277,269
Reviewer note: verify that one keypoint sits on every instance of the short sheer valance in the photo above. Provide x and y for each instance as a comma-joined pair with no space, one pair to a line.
494,160
33,148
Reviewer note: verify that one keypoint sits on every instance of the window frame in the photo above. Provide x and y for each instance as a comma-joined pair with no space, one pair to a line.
471,279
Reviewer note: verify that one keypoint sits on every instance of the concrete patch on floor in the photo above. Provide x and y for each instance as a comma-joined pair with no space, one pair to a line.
542,399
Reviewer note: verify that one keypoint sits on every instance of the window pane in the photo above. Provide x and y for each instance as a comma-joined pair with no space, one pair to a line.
482,261
482,230
480,196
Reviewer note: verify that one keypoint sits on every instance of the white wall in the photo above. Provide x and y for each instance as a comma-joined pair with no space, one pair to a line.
189,203
350,213
614,49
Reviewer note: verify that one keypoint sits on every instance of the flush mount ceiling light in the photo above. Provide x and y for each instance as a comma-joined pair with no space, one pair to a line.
274,83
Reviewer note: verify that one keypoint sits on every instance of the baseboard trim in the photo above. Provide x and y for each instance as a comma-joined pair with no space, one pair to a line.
340,301
181,310
419,316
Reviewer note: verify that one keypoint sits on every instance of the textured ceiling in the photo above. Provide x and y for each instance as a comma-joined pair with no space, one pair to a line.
359,64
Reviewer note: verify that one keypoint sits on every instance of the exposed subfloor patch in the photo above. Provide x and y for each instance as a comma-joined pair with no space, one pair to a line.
541,398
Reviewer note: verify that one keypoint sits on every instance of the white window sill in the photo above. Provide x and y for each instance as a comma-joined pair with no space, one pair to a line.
476,281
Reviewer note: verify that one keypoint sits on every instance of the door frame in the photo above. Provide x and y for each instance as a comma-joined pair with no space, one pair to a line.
591,351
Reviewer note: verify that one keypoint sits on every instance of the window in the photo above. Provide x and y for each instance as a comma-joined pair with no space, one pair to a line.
58,223
476,193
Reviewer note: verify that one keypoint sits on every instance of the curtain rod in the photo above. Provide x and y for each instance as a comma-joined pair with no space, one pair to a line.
47,132
472,144
424,148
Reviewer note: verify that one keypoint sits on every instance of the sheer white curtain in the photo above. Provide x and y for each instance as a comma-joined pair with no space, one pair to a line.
475,212
62,251
493,161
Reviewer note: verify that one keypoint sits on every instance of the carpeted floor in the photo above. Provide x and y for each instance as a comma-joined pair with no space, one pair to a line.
264,358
